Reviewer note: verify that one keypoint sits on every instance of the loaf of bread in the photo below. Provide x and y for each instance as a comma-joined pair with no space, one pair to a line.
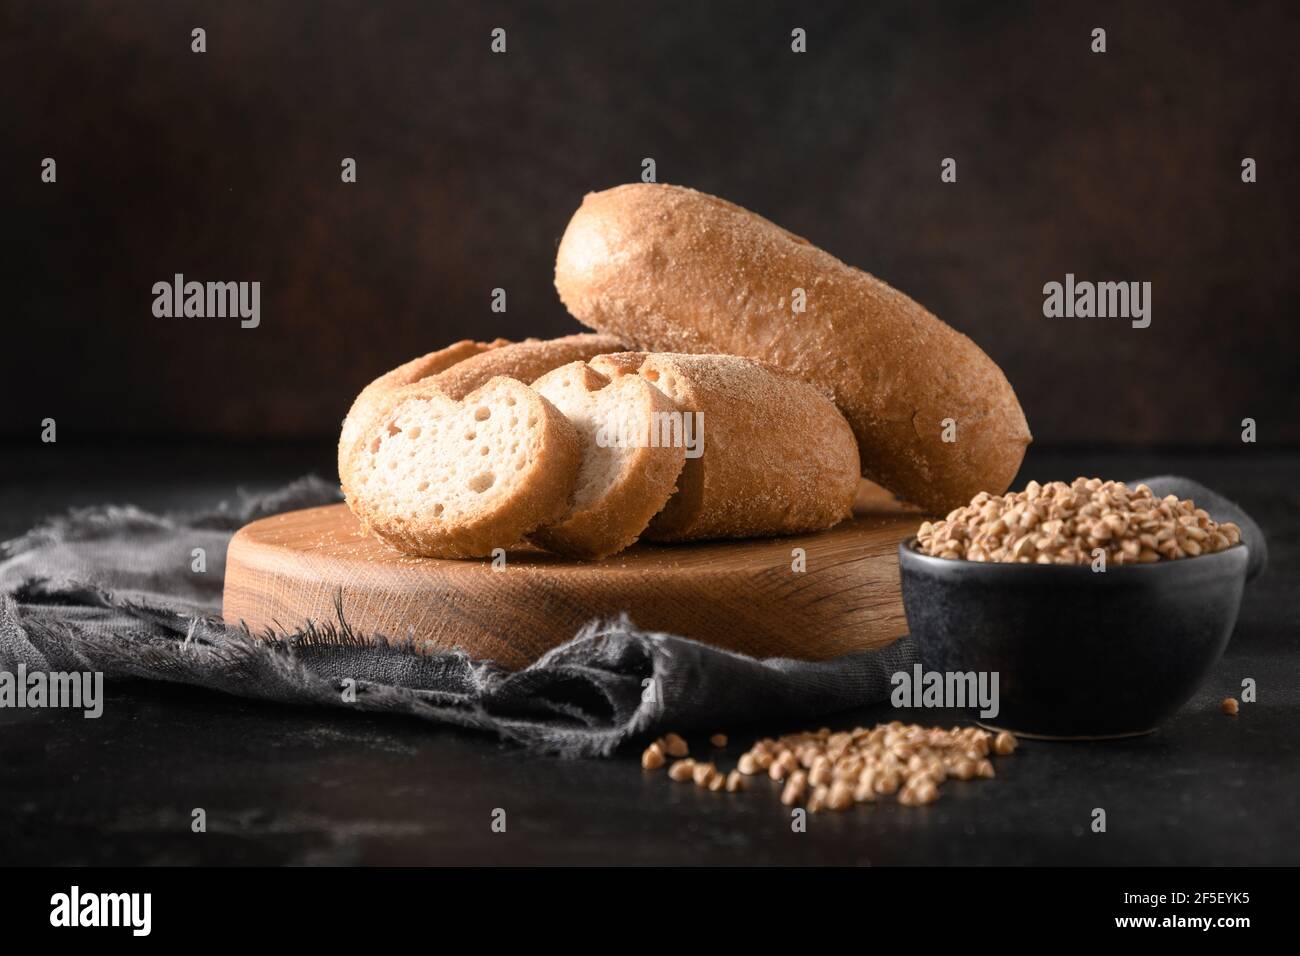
766,453
627,474
440,477
671,269
459,369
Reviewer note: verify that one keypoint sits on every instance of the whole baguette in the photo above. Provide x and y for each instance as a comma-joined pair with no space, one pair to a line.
671,269
777,456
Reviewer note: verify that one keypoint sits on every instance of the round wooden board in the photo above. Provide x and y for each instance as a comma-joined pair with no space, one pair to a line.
743,595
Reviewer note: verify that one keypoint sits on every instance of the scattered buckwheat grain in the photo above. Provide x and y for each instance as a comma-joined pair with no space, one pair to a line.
674,746
834,771
653,758
794,788
682,770
702,773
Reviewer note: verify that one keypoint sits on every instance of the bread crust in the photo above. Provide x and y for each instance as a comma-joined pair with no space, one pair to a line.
647,472
778,457
538,492
526,361
671,269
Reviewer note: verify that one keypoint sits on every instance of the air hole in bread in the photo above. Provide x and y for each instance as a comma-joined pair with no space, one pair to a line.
393,429
437,511
482,413
374,447
532,421
510,400
471,435
482,482
422,486
414,432
651,374
483,450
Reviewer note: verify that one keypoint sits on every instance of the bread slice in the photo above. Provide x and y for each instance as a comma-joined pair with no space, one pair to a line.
408,373
627,474
438,477
769,453
462,367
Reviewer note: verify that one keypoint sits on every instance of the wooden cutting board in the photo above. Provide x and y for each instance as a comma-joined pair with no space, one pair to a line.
742,595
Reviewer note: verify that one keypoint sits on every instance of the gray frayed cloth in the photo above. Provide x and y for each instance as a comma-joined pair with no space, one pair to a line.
113,590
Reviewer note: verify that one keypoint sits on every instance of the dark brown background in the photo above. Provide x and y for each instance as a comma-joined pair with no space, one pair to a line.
225,166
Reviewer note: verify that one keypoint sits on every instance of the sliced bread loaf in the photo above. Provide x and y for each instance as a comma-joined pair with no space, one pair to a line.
627,474
767,453
438,477
462,367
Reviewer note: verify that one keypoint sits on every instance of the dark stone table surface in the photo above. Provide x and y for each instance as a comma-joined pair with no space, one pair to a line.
292,786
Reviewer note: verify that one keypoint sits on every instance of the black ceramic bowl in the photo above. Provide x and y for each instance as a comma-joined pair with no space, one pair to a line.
1078,653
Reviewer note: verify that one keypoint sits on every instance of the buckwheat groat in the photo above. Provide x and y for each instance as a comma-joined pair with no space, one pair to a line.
1058,523
675,270
835,771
